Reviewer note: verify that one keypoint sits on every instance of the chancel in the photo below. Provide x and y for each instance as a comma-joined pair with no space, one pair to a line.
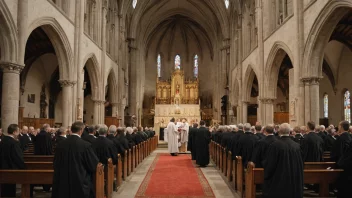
208,98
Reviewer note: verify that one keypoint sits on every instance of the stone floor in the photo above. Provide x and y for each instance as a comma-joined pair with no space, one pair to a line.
217,182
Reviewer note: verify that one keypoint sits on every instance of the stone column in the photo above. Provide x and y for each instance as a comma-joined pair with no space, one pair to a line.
306,82
22,22
98,118
10,94
268,114
133,103
245,111
261,107
314,100
66,102
122,114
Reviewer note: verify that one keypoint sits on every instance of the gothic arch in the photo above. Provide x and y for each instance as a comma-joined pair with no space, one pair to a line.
8,35
113,88
248,82
91,63
273,63
60,43
320,34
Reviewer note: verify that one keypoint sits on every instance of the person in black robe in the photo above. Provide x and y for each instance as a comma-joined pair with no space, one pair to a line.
137,138
120,136
260,149
234,140
111,132
129,137
142,134
191,145
91,135
329,140
226,136
246,145
342,143
11,157
218,135
312,145
299,136
258,129
104,148
322,133
283,167
202,140
25,139
43,142
61,135
75,164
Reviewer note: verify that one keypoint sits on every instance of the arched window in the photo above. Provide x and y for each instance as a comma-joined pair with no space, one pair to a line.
347,107
227,4
326,105
158,61
195,70
177,62
134,3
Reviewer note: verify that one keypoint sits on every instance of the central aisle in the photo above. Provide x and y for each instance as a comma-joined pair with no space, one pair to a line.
163,176
174,176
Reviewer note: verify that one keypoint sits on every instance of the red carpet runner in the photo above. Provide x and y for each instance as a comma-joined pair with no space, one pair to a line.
174,177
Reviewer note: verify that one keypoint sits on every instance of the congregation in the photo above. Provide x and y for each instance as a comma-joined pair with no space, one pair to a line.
76,151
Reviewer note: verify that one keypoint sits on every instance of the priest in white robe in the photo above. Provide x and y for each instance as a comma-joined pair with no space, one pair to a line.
172,133
184,135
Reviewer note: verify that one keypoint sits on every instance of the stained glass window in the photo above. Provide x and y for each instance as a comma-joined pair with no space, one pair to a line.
195,70
227,3
347,106
159,65
326,105
177,62
134,3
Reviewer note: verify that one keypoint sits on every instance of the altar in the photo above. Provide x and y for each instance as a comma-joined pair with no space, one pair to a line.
176,98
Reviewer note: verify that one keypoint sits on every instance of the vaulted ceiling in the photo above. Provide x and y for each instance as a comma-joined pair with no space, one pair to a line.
343,31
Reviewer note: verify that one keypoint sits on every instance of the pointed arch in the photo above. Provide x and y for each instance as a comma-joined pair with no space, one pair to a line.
249,76
273,64
91,63
112,86
8,36
60,43
320,34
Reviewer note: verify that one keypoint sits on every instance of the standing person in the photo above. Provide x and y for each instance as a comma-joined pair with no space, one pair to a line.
11,157
25,139
192,140
172,133
91,135
61,135
43,143
342,143
202,140
74,165
312,145
104,148
330,139
245,145
184,135
283,167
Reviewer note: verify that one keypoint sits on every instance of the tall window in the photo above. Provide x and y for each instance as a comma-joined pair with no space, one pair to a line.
134,3
177,62
159,65
347,106
227,3
195,70
326,105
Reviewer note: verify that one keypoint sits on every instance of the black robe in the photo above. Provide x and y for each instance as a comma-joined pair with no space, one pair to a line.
119,147
192,142
234,142
137,138
312,148
110,137
260,150
283,170
344,181
245,147
89,138
59,139
260,135
322,134
340,146
202,140
129,138
105,149
75,163
24,141
329,142
43,144
226,137
299,138
11,157
124,142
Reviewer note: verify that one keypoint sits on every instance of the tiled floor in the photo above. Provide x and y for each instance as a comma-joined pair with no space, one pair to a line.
215,179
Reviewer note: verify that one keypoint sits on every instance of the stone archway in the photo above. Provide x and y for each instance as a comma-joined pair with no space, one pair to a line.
250,105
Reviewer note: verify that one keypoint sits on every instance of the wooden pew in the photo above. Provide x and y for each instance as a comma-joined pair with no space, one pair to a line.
133,158
118,171
129,165
109,177
229,166
39,165
224,161
38,158
322,177
125,166
239,175
28,177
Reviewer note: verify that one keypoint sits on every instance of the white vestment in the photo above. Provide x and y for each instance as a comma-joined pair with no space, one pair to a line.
172,138
165,135
184,133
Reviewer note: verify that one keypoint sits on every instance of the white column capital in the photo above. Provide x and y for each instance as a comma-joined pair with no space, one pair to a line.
312,80
267,100
9,67
67,83
97,101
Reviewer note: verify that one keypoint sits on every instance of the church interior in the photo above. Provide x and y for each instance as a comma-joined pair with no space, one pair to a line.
140,63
